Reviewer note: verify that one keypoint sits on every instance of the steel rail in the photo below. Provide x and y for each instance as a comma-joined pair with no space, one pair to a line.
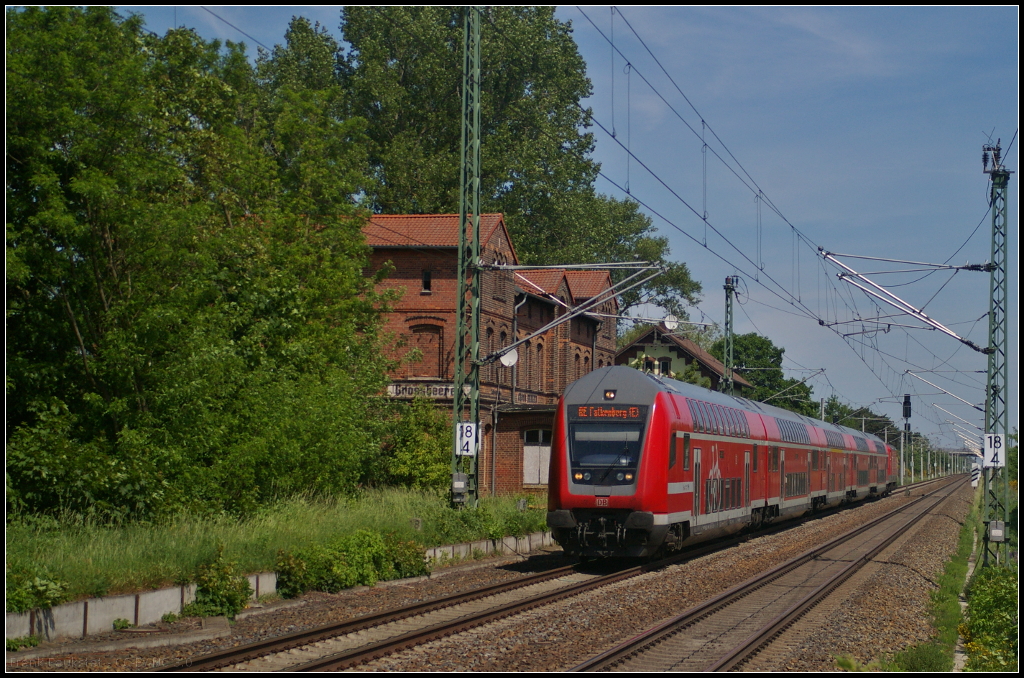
290,641
298,639
656,634
759,639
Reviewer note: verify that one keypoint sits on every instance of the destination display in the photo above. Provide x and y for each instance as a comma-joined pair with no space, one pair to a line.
608,412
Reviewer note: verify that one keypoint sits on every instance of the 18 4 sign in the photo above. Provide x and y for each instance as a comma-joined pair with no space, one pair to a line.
466,441
995,453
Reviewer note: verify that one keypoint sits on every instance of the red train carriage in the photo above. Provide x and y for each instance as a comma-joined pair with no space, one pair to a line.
640,463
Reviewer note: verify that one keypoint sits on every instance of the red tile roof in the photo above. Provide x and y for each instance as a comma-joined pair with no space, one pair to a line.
423,230
545,281
588,284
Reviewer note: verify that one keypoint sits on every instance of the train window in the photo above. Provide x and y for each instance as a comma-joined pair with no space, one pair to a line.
705,427
716,424
605,453
693,416
734,429
673,443
704,420
720,416
686,451
754,456
712,423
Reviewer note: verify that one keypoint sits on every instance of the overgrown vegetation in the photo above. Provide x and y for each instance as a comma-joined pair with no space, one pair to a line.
992,625
75,558
363,558
15,644
221,590
30,586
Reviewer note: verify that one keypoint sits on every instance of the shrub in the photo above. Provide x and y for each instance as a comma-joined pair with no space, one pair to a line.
364,558
15,644
219,591
416,452
990,631
33,588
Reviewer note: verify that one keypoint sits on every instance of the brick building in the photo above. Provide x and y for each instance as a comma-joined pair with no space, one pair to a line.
517,404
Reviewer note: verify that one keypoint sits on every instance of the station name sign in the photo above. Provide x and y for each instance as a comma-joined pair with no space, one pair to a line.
608,412
435,391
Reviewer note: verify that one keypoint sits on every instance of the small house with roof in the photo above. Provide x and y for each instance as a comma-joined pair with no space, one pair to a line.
668,354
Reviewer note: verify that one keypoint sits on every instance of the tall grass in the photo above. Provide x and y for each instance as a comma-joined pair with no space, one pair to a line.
95,559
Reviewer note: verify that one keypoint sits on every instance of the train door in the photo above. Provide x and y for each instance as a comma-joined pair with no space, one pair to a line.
746,480
828,472
696,481
680,473
759,490
782,474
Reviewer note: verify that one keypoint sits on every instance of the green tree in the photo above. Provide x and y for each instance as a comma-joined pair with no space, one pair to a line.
417,450
188,323
404,73
759,361
863,418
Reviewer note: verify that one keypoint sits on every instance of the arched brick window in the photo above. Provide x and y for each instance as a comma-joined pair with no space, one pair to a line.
539,367
489,348
428,340
526,368
503,372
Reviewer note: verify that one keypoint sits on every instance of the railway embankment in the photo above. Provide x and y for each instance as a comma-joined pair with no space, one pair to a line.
89,625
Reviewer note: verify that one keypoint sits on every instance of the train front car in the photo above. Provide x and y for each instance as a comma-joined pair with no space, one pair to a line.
604,486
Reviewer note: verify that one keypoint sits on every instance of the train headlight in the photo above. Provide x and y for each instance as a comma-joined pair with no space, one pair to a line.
629,477
620,476
586,476
578,476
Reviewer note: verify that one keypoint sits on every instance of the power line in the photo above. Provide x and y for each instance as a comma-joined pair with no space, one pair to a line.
237,29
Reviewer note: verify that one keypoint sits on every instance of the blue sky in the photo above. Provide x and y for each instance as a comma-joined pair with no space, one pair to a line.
862,126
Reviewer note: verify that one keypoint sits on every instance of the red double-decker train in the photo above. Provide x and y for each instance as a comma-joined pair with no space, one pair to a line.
641,464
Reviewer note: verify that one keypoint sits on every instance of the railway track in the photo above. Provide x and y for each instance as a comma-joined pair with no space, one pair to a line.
724,632
355,641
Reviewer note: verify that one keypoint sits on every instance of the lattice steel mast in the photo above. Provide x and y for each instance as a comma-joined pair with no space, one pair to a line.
727,377
467,328
996,411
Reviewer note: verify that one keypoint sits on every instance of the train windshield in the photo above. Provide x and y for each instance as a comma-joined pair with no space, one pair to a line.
605,452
